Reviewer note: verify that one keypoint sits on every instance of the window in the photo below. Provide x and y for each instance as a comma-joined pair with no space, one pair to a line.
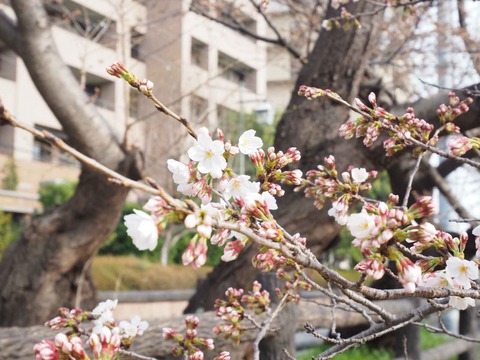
135,44
133,107
198,108
237,72
199,54
8,64
44,151
83,21
100,91
228,121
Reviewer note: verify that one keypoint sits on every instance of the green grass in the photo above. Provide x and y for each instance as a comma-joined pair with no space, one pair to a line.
365,352
132,273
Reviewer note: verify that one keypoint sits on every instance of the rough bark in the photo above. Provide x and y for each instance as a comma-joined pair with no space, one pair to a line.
16,343
40,271
337,62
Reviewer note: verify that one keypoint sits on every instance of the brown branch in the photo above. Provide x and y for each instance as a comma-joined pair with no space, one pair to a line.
235,25
118,178
470,44
281,40
446,191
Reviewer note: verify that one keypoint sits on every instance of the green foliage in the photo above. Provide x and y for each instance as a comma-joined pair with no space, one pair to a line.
430,340
8,230
54,194
10,180
381,187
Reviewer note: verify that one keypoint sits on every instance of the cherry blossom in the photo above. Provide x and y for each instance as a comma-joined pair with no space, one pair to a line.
438,279
46,350
409,275
135,327
359,175
339,211
461,303
248,143
142,229
104,314
462,271
270,200
181,176
361,225
232,250
241,186
209,154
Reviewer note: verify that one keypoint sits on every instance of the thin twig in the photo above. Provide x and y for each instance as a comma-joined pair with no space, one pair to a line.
134,354
266,325
410,181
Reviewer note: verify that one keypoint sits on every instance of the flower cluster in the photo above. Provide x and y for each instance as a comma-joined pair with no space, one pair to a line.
189,345
325,183
458,274
401,130
232,206
379,227
293,280
240,200
347,18
105,339
232,310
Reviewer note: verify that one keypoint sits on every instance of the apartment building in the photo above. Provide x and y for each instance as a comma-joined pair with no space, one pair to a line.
205,71
90,34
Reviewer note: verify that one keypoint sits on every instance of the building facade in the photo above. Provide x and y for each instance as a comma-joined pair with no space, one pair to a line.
90,35
204,70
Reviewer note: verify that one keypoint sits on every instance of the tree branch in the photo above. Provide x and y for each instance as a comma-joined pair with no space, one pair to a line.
86,129
470,44
236,26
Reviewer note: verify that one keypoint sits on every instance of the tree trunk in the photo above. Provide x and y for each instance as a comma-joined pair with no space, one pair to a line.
337,62
272,347
40,271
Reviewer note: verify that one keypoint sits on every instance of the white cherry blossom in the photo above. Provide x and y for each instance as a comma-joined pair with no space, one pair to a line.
248,143
437,280
462,271
209,154
241,186
181,177
361,225
270,200
339,211
104,314
135,327
359,175
107,305
180,171
476,231
461,303
142,229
